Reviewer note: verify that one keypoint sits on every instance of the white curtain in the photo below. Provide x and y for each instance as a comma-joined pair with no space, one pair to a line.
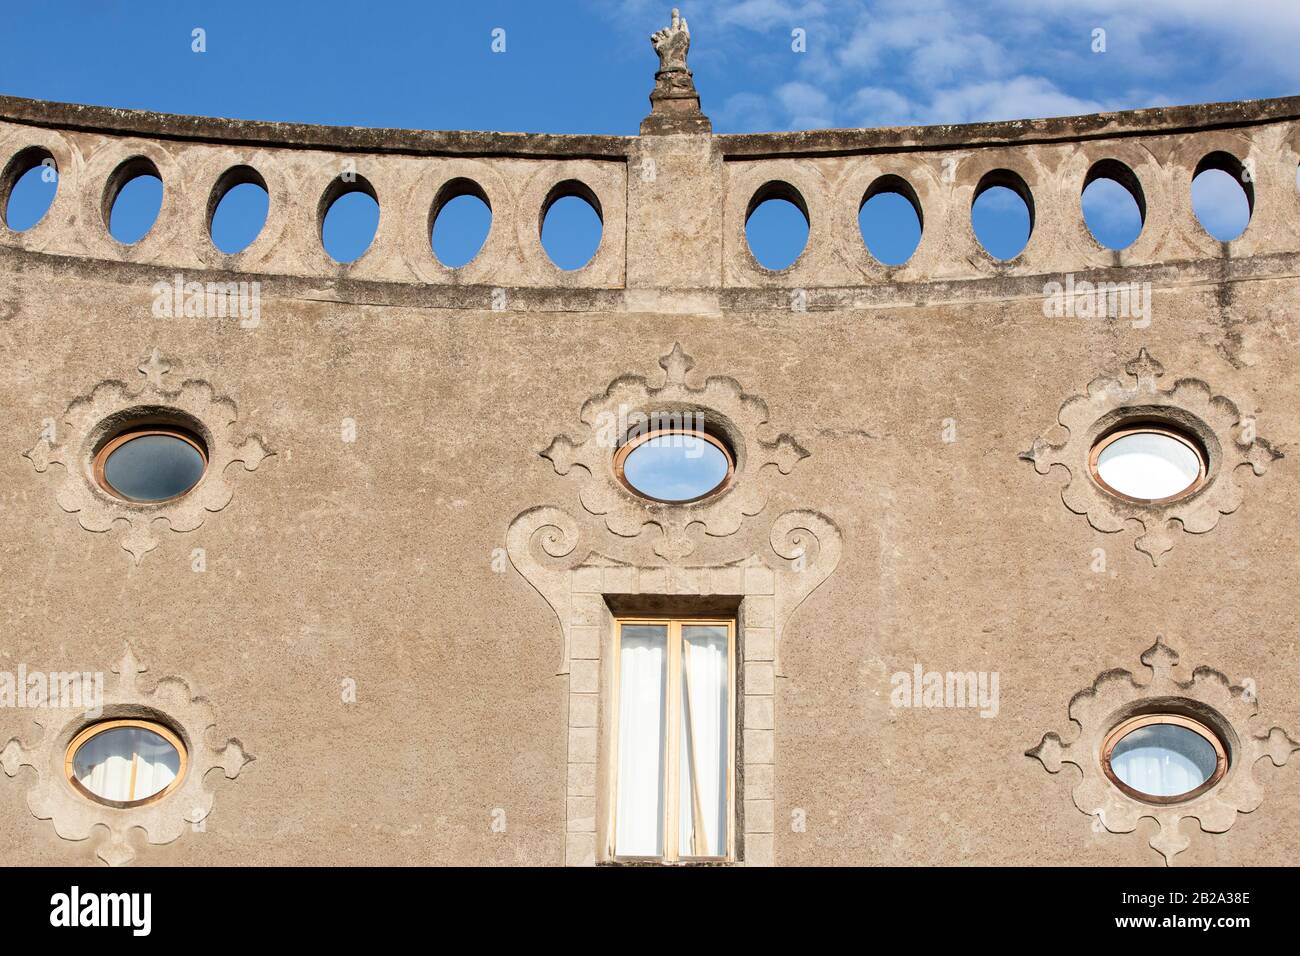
1148,465
702,812
104,763
1163,760
643,677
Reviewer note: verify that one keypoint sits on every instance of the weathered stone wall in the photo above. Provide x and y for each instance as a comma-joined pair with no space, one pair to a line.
885,515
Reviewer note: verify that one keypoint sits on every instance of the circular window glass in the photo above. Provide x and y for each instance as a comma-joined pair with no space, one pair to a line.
1164,758
1148,463
125,762
151,464
674,465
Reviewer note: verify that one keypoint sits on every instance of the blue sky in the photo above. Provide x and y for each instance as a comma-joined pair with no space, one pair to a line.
587,67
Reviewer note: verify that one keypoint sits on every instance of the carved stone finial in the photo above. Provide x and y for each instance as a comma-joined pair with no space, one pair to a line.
676,364
1145,369
672,44
154,368
674,104
1161,658
127,670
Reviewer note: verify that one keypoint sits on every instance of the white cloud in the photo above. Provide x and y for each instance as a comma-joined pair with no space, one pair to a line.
807,106
1220,204
881,106
748,112
762,14
899,62
1109,205
1021,97
945,58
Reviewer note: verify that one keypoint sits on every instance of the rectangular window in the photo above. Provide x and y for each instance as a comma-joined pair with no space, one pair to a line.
674,759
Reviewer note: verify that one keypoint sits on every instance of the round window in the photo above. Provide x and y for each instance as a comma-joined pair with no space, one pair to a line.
1164,758
674,465
125,763
151,464
1148,463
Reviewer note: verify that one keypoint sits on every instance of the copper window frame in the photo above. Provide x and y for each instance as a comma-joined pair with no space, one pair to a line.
1150,428
620,457
1126,727
94,730
130,434
672,854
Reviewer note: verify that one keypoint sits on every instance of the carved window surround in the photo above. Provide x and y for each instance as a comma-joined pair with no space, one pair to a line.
75,816
570,558
1208,697
1192,406
92,418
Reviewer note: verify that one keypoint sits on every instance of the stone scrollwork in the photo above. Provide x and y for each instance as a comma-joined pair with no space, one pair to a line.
538,542
91,419
568,558
807,545
1208,697
585,560
720,403
75,816
805,548
1228,439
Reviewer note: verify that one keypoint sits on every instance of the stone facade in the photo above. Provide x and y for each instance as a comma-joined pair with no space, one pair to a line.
394,593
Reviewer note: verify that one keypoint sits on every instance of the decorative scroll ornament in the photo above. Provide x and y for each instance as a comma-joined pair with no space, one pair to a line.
109,406
574,558
1228,439
543,544
540,543
1210,698
632,402
76,816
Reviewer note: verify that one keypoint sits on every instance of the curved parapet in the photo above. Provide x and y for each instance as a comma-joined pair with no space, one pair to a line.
673,207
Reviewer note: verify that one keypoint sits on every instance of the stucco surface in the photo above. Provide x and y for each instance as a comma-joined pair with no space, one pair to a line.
381,560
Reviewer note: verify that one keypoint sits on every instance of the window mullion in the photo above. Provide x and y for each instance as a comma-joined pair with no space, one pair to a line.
732,743
615,670
673,718
135,765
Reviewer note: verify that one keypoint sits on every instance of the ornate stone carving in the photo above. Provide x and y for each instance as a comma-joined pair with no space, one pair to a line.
723,405
75,816
537,541
93,417
674,104
543,546
576,559
672,43
1211,698
1190,403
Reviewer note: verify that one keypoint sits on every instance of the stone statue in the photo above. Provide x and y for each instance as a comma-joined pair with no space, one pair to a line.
672,43
674,104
